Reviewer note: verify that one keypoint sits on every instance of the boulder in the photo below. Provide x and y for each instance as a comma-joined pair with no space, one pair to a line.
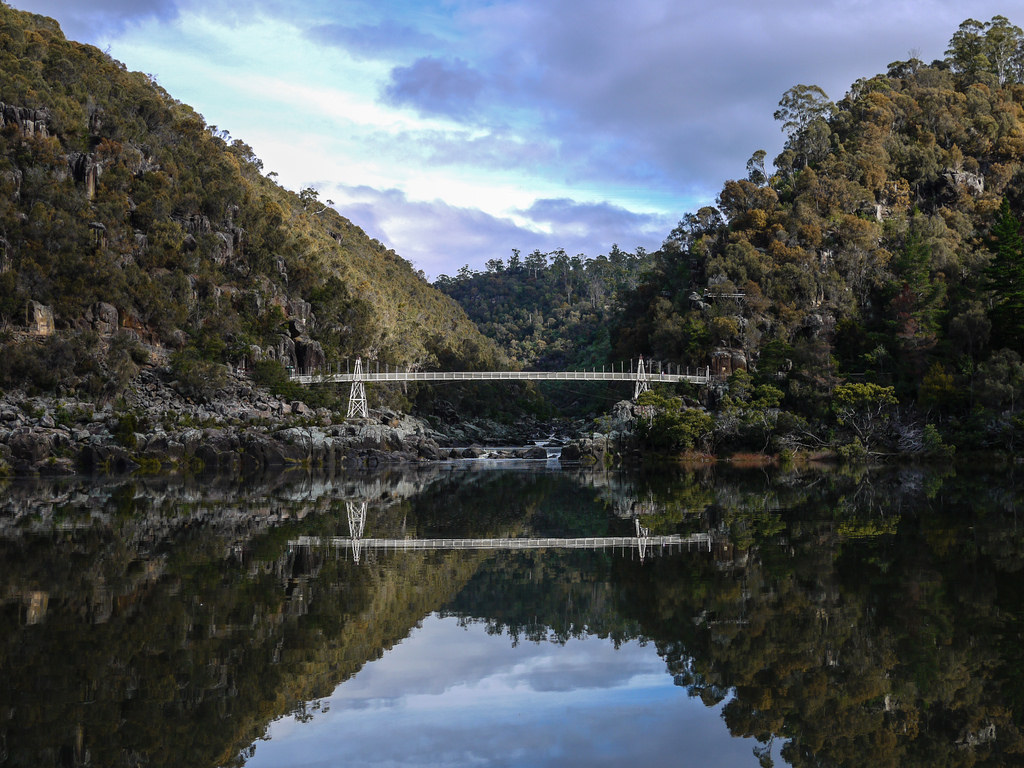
30,446
104,317
974,183
726,361
309,354
39,319
429,450
286,351
571,452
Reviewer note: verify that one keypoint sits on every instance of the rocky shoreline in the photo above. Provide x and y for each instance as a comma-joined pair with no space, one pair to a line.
245,429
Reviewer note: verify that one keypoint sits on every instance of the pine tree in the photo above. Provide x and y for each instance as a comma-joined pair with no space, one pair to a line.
1006,275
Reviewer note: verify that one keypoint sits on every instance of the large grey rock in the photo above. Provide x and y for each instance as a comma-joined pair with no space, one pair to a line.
309,354
571,452
285,350
39,318
104,317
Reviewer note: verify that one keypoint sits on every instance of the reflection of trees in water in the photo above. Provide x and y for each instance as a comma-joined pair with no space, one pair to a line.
864,619
856,646
871,618
171,633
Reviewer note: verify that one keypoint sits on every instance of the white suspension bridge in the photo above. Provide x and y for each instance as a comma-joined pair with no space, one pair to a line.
640,374
642,542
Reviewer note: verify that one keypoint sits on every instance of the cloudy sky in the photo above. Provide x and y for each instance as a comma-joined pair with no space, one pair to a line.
457,130
454,696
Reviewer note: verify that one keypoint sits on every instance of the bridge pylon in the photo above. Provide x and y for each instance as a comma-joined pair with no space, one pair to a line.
356,523
357,395
642,384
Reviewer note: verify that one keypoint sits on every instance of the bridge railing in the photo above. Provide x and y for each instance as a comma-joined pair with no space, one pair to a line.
340,378
641,376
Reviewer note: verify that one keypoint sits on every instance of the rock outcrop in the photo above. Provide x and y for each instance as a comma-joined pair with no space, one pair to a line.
30,122
39,319
242,429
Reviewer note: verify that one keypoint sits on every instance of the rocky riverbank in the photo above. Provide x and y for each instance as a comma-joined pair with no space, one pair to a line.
242,428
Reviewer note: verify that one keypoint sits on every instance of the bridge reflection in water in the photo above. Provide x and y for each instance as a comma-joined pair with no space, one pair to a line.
645,544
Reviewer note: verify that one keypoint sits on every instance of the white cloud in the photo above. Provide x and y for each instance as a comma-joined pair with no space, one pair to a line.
449,695
462,116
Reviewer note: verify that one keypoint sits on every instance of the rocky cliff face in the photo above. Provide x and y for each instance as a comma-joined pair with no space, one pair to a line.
241,428
123,212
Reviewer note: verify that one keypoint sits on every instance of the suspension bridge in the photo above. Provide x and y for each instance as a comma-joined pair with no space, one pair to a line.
641,375
643,542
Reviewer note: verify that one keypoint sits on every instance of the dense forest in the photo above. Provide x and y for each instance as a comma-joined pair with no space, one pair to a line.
131,230
865,293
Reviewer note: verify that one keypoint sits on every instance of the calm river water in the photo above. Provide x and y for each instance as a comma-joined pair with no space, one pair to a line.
810,618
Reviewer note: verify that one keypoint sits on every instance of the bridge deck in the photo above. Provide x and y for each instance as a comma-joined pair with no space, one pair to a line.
369,377
599,542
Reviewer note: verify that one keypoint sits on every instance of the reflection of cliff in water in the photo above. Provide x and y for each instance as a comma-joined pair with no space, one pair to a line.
162,624
867,619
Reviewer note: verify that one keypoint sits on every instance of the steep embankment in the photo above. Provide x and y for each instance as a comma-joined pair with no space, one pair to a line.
871,281
125,220
177,616
865,294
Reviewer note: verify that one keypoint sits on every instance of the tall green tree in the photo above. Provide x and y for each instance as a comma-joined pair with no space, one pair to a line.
1006,276
994,47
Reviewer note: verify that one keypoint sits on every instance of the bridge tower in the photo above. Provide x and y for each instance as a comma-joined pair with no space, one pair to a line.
643,535
642,384
356,524
357,395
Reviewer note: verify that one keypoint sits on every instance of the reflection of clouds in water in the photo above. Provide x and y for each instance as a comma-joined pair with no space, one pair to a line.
450,695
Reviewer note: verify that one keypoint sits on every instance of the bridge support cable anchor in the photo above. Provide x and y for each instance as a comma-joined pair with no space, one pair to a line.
642,383
357,395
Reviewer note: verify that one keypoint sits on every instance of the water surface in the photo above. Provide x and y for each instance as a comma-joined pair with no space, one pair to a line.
869,618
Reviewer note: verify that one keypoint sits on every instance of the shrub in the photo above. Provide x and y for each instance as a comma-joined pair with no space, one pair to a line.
197,378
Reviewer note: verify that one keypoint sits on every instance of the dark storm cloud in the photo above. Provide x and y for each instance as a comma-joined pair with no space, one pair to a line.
673,95
436,86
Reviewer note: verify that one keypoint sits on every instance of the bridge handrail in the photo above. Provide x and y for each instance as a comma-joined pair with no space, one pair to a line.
590,542
407,376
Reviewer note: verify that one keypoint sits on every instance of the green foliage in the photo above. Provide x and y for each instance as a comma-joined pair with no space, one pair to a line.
197,377
72,361
671,426
124,431
801,107
1006,275
272,375
934,444
885,248
852,452
864,409
181,232
993,48
551,315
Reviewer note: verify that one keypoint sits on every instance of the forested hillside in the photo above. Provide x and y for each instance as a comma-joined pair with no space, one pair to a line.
548,311
869,287
129,226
